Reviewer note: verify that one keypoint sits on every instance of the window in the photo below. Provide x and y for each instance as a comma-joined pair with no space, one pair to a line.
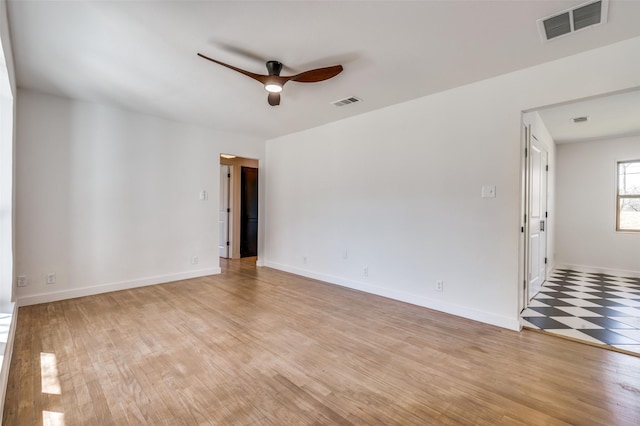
628,199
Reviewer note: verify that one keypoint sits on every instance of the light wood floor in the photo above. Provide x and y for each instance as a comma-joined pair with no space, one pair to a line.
262,347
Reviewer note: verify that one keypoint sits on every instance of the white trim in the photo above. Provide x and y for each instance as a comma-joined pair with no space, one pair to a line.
523,240
105,288
599,270
460,311
7,354
550,268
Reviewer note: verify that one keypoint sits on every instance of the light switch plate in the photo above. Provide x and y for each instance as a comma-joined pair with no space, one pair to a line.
489,191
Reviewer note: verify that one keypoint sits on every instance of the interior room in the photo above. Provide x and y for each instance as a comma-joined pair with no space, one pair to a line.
310,212
591,294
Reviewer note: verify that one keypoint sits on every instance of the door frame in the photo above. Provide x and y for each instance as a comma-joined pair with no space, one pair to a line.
236,162
229,195
523,285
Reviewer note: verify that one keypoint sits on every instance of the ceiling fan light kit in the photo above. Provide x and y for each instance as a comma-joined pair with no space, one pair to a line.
273,87
274,82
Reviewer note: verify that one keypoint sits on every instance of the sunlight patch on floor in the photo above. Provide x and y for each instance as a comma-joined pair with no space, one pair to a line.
49,373
52,418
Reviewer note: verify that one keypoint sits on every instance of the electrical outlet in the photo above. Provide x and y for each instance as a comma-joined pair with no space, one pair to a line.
194,260
51,278
22,281
366,271
440,285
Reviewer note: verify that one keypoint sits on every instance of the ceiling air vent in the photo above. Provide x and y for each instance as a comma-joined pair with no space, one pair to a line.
581,119
346,101
568,21
557,25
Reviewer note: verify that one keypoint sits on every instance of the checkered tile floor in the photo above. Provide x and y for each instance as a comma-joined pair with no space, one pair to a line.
596,308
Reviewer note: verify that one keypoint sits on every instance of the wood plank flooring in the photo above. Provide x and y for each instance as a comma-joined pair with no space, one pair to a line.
263,347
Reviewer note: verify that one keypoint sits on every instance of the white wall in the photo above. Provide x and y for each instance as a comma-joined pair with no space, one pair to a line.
586,187
109,199
399,189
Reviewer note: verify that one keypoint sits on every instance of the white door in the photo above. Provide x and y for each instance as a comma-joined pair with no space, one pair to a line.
537,245
225,210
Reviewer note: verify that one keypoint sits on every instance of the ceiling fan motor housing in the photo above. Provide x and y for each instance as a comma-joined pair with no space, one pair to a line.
274,67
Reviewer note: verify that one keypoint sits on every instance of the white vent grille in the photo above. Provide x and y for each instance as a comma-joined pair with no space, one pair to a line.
581,119
346,101
575,19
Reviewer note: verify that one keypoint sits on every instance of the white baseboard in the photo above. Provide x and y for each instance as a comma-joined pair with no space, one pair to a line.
550,269
438,305
7,353
599,270
105,288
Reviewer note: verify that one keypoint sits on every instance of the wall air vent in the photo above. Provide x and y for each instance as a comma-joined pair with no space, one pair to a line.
346,101
575,19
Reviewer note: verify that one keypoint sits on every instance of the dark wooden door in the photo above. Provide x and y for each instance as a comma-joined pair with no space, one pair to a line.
249,212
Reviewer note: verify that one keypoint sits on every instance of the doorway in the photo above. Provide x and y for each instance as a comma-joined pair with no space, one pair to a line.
238,209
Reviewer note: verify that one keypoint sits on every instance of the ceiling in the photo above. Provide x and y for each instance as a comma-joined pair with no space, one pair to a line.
141,55
612,116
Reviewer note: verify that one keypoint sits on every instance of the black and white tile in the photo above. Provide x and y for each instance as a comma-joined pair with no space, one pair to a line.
596,308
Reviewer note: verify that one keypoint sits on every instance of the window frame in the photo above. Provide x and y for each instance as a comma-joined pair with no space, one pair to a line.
621,197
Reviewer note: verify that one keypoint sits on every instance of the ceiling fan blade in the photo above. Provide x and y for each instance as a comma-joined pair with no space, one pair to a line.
274,99
261,78
319,74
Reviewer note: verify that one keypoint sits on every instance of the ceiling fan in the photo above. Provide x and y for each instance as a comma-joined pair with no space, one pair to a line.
273,82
